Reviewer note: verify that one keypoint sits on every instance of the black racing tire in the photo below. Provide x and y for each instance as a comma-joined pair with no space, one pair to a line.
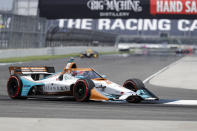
134,85
14,87
82,90
134,99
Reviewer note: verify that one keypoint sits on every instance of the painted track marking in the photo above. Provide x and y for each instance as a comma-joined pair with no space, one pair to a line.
173,102
160,71
166,101
181,102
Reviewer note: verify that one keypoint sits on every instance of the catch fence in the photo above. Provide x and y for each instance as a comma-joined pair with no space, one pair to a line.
21,31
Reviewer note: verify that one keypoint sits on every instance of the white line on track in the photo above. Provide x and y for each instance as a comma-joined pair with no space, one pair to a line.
155,74
166,101
160,71
173,102
182,102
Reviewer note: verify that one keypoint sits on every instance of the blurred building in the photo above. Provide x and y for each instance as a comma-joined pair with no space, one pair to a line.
6,5
25,7
20,25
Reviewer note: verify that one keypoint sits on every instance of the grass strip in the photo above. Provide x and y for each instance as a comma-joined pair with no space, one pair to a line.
48,57
34,58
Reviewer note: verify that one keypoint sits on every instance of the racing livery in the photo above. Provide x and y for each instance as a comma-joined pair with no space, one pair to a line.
89,53
83,84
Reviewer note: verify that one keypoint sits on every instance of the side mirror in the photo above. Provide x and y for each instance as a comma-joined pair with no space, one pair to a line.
104,76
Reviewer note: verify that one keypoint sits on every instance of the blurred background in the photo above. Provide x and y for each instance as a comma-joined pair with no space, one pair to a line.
21,27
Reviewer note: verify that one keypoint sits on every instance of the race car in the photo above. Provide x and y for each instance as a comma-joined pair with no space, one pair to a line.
89,54
184,51
84,84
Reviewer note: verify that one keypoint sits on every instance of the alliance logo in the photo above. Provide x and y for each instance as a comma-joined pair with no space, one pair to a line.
114,5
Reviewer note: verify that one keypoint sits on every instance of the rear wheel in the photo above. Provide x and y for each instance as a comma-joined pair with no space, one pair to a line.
81,56
14,87
96,55
134,85
82,89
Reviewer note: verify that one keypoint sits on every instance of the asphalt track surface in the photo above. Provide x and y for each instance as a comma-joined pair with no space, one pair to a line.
118,69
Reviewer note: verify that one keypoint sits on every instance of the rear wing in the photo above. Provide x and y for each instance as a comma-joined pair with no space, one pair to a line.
31,70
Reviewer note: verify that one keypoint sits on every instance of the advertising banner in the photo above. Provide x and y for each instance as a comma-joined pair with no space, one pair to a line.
124,9
133,26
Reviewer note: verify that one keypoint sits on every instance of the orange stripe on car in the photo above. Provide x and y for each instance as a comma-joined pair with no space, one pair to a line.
95,95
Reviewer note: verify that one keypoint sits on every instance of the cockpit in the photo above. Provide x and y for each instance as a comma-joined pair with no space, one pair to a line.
85,74
71,70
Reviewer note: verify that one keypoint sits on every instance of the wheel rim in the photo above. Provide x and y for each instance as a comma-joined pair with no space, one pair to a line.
80,91
131,86
13,87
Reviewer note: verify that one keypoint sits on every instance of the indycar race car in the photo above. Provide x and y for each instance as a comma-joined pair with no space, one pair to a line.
89,54
83,84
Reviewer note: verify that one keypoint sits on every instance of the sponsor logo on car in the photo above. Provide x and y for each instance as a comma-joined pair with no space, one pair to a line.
101,87
55,88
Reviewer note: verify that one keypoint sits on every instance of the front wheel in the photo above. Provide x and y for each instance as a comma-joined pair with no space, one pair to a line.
134,85
134,99
82,89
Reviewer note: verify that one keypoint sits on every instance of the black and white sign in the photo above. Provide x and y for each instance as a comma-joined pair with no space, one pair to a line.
124,9
130,24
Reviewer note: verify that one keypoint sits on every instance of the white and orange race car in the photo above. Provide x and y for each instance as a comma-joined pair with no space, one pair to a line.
83,84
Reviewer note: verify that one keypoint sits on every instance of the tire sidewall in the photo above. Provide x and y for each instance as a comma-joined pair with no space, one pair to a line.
19,87
88,86
134,99
138,84
132,82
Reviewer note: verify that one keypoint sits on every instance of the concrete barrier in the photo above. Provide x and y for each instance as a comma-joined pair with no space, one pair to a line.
9,53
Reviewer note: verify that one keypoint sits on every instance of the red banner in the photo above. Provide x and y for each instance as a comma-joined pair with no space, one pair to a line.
182,7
